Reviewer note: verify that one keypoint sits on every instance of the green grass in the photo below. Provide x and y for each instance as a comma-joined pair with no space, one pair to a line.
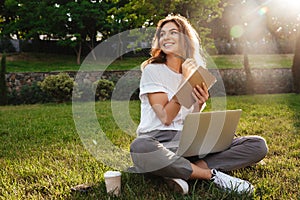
38,62
255,61
42,156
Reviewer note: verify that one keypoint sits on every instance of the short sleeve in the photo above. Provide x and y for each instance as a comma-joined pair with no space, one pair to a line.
152,80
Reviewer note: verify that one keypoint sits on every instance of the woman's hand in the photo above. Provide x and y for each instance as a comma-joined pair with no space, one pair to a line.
201,94
188,67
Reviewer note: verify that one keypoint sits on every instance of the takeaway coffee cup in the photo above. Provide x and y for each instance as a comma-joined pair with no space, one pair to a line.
113,182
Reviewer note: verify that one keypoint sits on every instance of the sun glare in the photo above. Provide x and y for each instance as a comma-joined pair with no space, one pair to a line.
289,5
293,3
262,11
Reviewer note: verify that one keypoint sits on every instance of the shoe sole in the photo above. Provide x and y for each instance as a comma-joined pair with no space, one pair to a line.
178,185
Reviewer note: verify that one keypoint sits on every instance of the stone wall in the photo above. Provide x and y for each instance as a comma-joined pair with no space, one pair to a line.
230,81
264,81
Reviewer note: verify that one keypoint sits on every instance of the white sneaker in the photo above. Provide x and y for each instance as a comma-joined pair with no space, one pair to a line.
228,182
178,185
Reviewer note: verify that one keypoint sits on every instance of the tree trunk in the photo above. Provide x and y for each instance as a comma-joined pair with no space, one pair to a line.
296,66
249,79
247,69
78,53
93,43
3,87
120,47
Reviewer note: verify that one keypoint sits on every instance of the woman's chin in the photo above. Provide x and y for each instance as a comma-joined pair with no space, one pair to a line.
171,52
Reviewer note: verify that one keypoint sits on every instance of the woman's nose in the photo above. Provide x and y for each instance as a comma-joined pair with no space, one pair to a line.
167,36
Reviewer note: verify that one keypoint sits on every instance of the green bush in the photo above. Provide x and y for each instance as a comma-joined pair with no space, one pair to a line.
104,89
59,86
32,94
29,94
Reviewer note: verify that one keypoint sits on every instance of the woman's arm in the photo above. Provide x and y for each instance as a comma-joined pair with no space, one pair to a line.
165,110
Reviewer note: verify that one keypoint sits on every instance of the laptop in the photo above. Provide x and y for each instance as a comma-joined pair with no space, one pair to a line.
208,132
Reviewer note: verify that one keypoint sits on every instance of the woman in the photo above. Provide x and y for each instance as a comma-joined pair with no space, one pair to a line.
162,116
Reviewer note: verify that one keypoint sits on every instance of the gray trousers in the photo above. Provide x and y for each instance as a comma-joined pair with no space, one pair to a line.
154,152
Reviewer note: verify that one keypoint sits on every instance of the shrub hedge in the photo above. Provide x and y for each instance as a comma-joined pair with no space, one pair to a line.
59,88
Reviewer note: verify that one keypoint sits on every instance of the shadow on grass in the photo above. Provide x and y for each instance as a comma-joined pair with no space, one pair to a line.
137,186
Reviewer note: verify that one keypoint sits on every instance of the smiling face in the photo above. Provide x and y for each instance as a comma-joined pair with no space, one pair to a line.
174,36
169,38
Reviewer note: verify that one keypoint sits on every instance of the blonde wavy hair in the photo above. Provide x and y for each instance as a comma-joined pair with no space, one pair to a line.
189,37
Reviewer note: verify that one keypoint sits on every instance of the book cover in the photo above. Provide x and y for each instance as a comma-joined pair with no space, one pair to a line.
184,92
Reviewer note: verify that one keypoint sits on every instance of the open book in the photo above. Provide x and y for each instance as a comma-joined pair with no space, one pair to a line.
184,92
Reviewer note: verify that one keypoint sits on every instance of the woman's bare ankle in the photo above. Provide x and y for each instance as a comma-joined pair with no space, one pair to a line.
202,164
200,173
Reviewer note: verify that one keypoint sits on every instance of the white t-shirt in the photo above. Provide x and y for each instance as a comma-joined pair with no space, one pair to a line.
159,78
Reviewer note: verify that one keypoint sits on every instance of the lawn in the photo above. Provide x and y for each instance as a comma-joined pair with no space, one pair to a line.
255,61
39,62
42,156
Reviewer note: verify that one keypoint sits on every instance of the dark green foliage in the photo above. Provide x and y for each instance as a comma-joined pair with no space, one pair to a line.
6,45
32,94
104,89
29,94
59,86
3,87
87,90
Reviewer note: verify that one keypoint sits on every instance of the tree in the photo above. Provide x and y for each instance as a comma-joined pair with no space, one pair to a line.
127,15
85,20
283,22
7,15
79,22
74,23
201,13
26,19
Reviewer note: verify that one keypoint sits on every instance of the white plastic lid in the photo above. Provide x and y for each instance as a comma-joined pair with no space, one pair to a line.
109,174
